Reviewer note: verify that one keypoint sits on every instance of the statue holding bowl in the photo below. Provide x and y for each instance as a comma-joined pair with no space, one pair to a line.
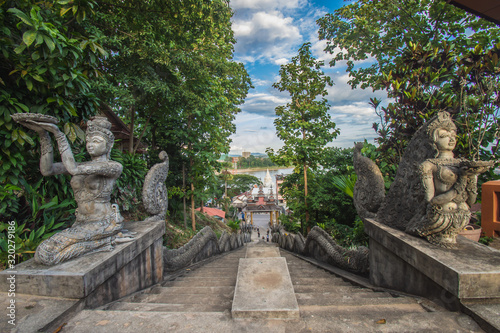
99,224
450,186
432,192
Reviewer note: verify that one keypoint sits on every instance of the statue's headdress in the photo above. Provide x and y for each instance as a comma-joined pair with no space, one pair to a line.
101,126
442,120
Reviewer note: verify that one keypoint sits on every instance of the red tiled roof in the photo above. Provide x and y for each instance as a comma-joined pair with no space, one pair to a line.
213,211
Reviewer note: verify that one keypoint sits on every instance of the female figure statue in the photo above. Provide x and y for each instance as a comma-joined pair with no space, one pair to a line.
98,224
432,192
450,186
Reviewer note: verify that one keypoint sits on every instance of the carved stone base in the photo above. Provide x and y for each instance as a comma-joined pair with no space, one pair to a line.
449,277
97,278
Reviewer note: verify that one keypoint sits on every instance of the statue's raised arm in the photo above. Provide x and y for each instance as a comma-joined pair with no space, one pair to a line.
98,224
37,122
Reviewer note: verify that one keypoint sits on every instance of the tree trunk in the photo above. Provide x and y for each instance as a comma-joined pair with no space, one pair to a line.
193,217
184,191
142,134
153,136
131,138
305,198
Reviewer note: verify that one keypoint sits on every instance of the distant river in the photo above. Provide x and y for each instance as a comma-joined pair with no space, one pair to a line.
262,173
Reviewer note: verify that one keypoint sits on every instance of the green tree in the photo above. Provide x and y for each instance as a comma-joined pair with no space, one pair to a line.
427,79
241,183
48,61
304,124
429,56
172,77
327,203
383,29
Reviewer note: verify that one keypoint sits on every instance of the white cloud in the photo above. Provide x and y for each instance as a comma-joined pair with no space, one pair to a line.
263,103
260,83
281,61
355,124
266,36
269,33
266,4
255,133
341,91
358,113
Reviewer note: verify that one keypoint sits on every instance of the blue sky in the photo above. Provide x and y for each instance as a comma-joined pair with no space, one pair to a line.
268,34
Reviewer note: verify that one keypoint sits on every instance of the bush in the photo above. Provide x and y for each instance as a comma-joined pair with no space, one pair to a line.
234,225
289,223
35,219
128,188
347,236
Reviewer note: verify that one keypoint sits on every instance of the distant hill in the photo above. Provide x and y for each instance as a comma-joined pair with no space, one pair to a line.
253,154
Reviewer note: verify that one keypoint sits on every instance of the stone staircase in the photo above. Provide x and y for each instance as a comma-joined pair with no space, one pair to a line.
200,300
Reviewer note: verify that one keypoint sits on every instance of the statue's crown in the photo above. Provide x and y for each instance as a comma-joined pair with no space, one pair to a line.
441,120
101,126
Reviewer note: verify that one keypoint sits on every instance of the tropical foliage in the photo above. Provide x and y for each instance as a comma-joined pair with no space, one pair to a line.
428,56
327,204
165,67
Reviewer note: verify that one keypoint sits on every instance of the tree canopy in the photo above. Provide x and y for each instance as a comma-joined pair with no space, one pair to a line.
165,67
429,56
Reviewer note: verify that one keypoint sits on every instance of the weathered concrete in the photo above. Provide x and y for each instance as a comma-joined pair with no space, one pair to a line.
170,322
109,275
326,305
262,252
32,312
486,313
263,286
406,263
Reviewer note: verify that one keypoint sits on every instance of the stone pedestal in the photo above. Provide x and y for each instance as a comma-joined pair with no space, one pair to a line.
100,277
410,264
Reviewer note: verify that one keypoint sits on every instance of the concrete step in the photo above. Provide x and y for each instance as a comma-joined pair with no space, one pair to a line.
327,288
212,272
183,299
160,307
297,280
192,290
201,301
97,321
311,273
264,289
195,278
224,263
221,282
351,306
357,299
320,297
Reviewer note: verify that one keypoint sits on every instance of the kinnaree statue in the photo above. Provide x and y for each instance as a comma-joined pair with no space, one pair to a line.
432,192
98,225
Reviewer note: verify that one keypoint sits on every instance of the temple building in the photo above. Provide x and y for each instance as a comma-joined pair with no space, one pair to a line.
261,199
262,203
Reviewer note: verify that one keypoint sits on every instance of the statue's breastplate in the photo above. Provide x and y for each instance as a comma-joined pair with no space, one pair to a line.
447,175
91,188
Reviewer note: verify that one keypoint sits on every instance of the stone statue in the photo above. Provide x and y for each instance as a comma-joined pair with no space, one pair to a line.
432,192
369,188
154,191
99,224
